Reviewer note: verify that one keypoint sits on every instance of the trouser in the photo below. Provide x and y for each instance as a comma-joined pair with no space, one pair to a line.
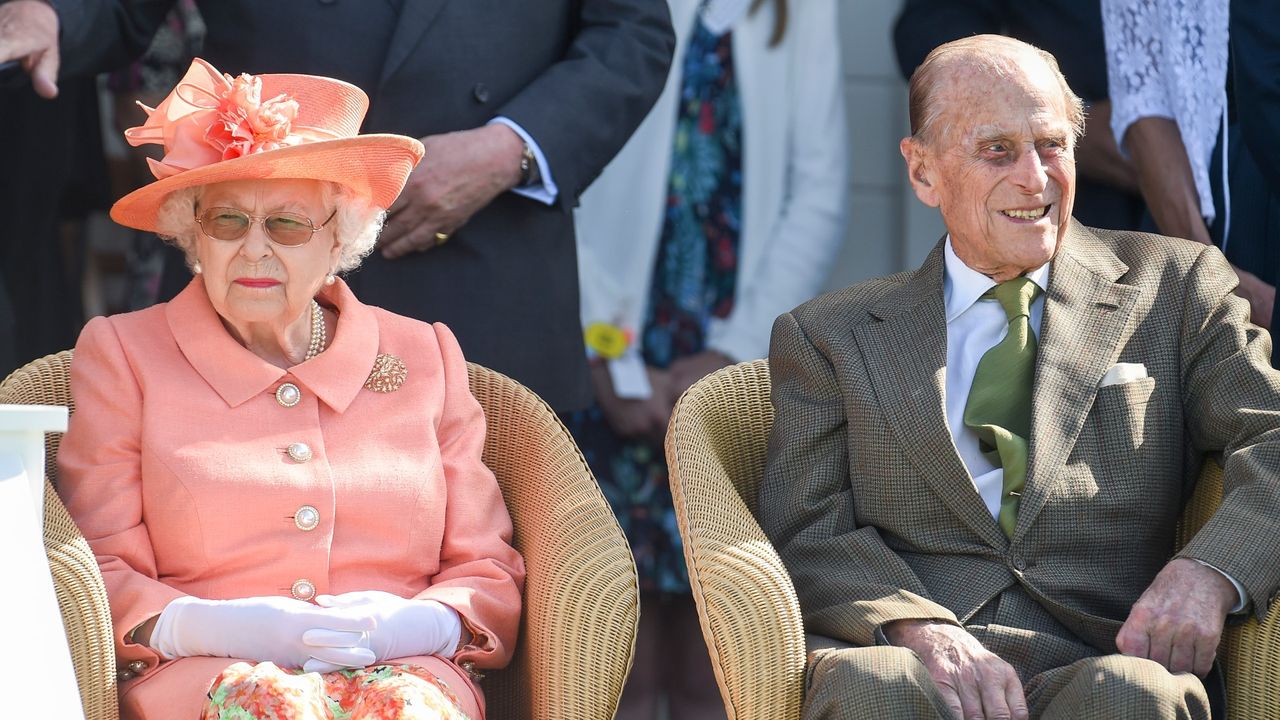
892,682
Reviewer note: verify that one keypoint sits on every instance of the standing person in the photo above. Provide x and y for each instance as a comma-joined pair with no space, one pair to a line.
724,209
1107,192
1168,64
519,105
271,544
976,468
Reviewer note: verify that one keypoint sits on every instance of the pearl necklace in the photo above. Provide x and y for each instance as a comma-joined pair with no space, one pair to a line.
318,335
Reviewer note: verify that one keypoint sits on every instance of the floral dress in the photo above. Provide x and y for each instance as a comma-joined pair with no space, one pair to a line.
263,691
694,278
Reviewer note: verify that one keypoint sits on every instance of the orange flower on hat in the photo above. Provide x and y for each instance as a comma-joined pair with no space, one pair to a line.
245,124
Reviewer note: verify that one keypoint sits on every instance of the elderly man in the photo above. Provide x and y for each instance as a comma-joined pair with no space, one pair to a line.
977,467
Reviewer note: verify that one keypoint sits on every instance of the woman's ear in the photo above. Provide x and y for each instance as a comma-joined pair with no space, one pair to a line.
917,157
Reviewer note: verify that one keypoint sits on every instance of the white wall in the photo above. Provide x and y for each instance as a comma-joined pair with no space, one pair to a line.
889,230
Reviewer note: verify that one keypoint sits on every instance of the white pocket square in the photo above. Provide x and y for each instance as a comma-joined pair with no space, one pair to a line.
1123,373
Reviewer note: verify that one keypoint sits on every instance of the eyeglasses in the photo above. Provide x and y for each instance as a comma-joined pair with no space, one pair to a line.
283,228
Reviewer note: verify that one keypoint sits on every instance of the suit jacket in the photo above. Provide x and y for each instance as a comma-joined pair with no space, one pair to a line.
174,470
577,75
877,519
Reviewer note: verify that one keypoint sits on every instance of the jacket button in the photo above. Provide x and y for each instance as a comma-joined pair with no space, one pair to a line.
299,452
480,92
307,518
288,395
1019,563
303,590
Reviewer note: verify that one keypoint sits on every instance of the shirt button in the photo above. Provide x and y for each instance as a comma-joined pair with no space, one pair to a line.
299,452
303,590
480,92
288,395
137,667
307,518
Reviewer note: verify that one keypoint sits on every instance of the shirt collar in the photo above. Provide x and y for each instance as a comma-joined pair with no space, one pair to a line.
236,374
962,285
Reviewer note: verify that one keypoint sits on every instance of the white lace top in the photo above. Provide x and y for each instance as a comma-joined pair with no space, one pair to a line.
1168,58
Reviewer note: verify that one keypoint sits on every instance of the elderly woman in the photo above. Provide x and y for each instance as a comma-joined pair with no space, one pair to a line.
283,486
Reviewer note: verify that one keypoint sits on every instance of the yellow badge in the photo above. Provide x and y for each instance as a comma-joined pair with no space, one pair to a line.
607,341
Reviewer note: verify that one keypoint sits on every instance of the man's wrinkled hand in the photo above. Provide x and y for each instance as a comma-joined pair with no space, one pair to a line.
1178,621
461,173
29,34
975,682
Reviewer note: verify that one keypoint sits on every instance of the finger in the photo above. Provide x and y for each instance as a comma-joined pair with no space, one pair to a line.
1015,698
970,699
44,75
995,701
416,240
319,666
1161,646
394,229
1133,641
1206,651
324,637
1182,654
952,699
343,620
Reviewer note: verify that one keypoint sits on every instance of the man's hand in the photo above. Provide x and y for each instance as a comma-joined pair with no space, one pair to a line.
634,419
29,34
1178,620
975,682
461,173
688,370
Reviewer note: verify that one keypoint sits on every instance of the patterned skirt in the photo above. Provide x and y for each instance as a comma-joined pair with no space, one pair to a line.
381,692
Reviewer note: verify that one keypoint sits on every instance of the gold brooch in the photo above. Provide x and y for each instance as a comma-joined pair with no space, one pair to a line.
388,374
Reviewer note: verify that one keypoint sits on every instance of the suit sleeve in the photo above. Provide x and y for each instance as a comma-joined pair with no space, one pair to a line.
1232,405
582,109
1255,45
481,576
100,35
848,581
100,481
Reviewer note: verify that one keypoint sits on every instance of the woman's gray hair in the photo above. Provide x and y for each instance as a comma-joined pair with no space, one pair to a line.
356,223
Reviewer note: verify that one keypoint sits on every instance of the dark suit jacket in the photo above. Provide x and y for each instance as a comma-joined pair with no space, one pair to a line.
876,516
577,75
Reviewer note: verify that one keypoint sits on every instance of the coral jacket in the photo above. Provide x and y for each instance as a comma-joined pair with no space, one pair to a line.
175,467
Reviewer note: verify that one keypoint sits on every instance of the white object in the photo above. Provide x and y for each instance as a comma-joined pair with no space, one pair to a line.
404,627
30,602
1123,373
795,183
22,429
629,377
263,629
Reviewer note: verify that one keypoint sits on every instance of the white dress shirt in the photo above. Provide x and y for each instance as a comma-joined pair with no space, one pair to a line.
974,326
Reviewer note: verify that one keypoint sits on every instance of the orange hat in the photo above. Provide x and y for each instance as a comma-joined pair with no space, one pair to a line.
216,128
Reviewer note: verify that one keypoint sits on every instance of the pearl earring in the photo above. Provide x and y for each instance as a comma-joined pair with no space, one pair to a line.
195,268
329,279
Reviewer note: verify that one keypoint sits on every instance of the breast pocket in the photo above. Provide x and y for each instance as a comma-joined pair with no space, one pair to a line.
1120,414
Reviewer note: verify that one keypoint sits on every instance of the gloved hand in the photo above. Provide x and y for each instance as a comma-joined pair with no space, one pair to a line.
285,631
403,627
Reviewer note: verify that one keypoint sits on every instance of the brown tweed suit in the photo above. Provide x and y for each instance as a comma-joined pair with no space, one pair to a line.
877,519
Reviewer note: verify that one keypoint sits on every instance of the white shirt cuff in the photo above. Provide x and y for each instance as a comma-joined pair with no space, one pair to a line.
546,192
1241,596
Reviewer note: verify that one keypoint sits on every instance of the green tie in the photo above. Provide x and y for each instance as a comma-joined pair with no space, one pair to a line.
999,405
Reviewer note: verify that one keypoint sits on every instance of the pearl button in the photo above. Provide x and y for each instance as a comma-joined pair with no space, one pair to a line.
303,590
137,666
307,518
299,452
288,395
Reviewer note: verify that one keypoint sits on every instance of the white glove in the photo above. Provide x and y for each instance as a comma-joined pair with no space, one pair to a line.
403,627
285,631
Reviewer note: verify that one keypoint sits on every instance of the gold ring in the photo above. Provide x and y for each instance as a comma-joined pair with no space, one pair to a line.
442,238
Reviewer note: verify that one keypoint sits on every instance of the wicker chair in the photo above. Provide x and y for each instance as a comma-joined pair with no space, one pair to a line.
747,605
581,595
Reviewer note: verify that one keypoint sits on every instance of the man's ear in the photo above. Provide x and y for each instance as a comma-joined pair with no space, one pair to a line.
919,170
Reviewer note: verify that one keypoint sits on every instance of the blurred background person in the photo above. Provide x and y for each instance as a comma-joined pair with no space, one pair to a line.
519,105
1169,69
1107,190
725,209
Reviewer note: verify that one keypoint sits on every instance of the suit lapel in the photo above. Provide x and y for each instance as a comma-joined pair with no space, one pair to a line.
1086,316
906,355
415,17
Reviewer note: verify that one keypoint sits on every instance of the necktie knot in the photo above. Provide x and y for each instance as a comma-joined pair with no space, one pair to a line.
1015,296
